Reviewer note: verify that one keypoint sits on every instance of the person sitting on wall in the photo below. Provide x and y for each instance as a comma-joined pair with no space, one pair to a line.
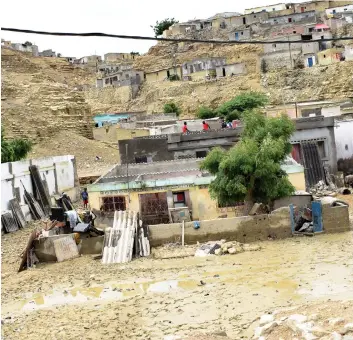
185,127
205,126
223,124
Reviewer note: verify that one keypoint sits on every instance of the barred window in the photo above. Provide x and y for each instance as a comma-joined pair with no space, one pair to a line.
230,205
112,203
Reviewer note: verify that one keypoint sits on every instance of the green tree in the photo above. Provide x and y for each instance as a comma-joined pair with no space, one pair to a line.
163,25
172,108
14,150
251,170
205,112
242,102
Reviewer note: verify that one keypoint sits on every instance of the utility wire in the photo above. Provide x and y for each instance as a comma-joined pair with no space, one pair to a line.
138,37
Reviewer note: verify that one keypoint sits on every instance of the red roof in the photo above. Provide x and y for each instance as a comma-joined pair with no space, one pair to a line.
322,26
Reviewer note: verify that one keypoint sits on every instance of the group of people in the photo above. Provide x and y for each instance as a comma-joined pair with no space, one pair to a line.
206,126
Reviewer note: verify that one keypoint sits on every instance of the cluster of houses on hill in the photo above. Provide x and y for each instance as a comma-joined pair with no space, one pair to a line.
306,26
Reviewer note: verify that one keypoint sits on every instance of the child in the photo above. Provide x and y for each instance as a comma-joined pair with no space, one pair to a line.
84,196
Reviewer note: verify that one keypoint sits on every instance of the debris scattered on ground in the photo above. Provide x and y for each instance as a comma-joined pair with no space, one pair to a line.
293,324
222,247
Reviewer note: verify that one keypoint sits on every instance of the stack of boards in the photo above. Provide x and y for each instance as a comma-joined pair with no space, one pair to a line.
119,240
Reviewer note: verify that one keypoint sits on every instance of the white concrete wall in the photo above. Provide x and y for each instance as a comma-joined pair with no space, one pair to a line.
59,172
348,52
344,139
331,111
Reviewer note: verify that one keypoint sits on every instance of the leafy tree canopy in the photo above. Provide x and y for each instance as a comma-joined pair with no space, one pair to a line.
242,102
171,108
251,170
163,25
14,150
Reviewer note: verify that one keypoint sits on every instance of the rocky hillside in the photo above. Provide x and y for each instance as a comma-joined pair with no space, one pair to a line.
41,97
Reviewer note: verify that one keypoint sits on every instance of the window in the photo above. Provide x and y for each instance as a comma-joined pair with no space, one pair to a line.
289,19
230,205
143,159
294,31
242,33
107,80
311,29
201,154
324,55
179,199
274,45
273,9
254,16
110,204
321,147
115,78
186,67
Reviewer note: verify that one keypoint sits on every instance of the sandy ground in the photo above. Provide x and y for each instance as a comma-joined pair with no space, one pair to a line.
153,298
85,150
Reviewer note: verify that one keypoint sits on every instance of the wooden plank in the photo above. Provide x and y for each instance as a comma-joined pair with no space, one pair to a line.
23,264
17,212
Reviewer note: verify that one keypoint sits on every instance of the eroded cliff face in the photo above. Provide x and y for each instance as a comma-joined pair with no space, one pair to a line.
41,97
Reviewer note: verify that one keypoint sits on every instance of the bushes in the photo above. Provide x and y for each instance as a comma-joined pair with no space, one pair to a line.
172,108
205,112
242,102
14,150
174,77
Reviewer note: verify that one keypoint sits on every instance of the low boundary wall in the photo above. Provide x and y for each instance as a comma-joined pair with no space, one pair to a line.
246,228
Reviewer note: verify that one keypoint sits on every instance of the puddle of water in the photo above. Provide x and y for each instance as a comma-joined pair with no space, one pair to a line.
114,291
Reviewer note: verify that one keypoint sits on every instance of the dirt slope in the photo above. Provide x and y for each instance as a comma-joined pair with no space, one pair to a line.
41,97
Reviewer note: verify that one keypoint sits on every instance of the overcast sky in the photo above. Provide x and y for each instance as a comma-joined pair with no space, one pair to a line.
107,16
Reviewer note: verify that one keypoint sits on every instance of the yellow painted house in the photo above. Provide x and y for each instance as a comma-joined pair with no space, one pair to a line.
163,74
330,56
154,189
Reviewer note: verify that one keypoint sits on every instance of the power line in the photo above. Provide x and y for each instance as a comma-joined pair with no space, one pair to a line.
138,37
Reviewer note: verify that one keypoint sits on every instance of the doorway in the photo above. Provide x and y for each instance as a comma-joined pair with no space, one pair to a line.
310,62
154,208
223,71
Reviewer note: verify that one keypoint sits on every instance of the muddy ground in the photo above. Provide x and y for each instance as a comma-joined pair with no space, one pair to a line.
153,298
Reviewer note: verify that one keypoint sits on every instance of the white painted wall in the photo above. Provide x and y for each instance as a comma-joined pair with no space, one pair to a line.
59,172
340,9
270,8
344,138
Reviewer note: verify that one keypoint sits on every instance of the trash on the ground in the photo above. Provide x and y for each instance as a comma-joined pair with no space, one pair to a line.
207,249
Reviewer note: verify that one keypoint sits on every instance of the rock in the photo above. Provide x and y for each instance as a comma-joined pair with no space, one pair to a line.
335,321
298,318
348,327
218,251
232,251
335,336
267,318
266,329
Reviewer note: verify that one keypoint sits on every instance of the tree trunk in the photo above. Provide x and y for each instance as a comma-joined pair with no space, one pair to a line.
249,200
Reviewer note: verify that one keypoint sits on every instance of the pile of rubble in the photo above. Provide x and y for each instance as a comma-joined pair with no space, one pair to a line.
321,189
303,327
222,247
